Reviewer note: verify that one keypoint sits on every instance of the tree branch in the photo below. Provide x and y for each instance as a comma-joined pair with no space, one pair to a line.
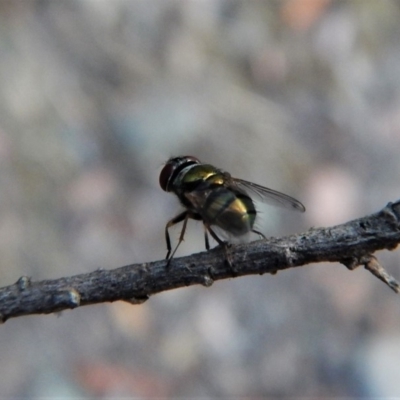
351,244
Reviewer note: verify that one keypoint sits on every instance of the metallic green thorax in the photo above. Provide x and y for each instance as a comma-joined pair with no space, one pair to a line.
205,190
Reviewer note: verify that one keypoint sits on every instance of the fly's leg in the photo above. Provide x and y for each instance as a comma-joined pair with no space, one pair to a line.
179,218
225,246
182,235
174,221
207,242
259,233
214,236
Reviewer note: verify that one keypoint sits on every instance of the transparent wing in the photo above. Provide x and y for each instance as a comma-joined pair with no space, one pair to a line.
267,195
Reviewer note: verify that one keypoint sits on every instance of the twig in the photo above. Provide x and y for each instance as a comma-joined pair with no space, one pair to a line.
351,244
373,266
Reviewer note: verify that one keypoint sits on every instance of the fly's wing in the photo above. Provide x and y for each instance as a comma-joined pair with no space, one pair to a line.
267,195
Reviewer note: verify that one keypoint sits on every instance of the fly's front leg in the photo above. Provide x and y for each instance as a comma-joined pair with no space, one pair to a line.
174,221
179,218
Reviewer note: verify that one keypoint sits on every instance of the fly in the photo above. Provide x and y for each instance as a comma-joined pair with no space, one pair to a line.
214,197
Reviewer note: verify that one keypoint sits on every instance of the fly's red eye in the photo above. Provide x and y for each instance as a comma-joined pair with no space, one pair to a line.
165,175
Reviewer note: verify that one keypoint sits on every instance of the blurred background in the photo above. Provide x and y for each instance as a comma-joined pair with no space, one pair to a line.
302,96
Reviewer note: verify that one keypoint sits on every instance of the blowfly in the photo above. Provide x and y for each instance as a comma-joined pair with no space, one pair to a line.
214,197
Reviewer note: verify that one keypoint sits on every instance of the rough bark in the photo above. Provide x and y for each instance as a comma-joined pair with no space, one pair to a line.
351,244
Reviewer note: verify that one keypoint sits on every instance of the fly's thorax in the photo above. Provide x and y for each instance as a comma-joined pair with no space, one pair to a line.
194,184
229,209
194,175
191,187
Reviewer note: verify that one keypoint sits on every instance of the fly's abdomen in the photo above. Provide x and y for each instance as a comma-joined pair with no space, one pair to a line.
230,210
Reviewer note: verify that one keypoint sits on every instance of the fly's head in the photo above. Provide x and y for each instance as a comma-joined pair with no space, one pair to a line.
172,168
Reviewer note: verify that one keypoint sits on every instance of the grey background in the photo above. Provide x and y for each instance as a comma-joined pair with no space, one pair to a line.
95,95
